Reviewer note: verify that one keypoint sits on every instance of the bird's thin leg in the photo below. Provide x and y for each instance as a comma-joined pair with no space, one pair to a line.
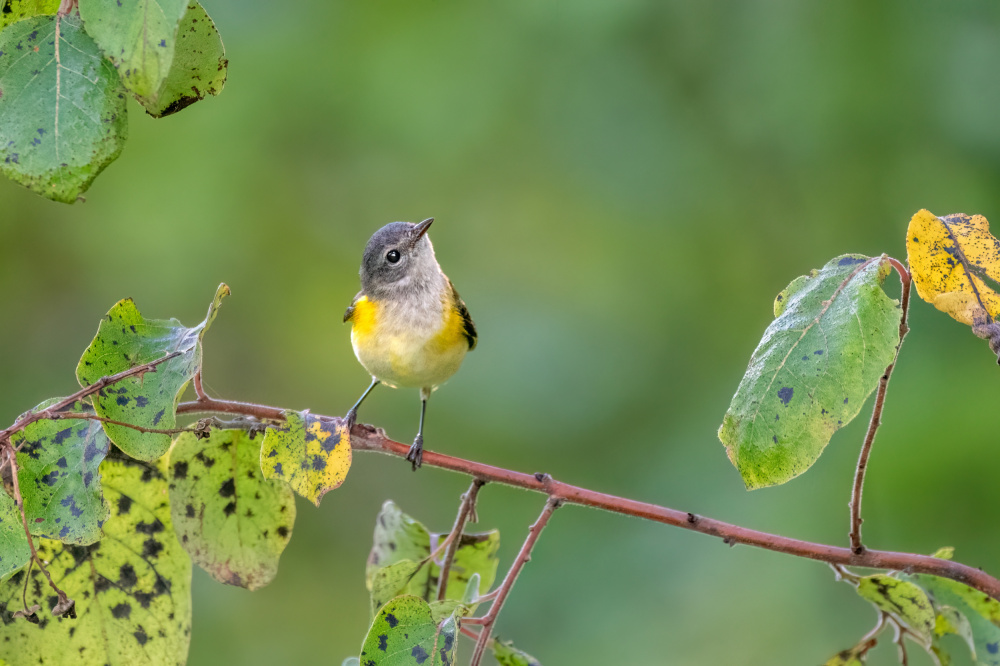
416,454
352,415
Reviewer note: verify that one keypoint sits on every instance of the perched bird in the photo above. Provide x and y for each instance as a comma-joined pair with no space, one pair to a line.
410,328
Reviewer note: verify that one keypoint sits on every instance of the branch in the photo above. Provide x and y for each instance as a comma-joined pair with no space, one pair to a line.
95,417
876,421
465,510
523,557
367,438
51,411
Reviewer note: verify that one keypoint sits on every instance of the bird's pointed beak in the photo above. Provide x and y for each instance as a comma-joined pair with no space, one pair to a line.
421,229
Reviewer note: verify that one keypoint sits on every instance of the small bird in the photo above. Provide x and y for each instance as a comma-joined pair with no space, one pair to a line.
410,328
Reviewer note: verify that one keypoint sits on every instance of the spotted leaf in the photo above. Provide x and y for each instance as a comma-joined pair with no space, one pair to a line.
404,633
855,656
59,476
125,339
981,612
311,454
834,333
508,655
199,67
18,10
14,552
139,37
955,263
901,599
232,522
132,589
62,110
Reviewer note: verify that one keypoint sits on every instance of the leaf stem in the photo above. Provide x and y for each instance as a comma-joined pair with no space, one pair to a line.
523,557
368,438
466,508
866,448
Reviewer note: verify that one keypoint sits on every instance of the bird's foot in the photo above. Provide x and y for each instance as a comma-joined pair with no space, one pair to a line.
416,454
350,419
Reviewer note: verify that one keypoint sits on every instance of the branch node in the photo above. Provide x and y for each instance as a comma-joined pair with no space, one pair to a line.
692,518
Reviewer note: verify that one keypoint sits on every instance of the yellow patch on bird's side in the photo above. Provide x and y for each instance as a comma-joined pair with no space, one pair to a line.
452,333
364,316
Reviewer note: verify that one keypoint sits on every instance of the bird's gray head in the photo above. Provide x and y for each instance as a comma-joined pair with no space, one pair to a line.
399,259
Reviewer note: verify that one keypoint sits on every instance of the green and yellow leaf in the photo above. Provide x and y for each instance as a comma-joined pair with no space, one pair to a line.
508,655
954,600
405,633
18,10
834,333
232,522
14,551
901,599
311,454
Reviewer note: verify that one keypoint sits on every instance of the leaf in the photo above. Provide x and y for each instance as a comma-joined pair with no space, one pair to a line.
232,522
951,621
138,37
62,115
508,655
132,589
17,10
903,600
851,657
944,553
980,610
405,633
199,67
397,537
14,551
125,340
59,476
834,333
311,454
955,263
392,580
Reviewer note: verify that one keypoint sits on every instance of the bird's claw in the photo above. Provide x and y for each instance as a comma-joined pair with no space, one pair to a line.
350,419
416,453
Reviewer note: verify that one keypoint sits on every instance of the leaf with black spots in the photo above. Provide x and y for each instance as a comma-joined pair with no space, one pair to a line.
132,588
835,331
311,454
18,10
199,67
62,113
955,263
14,551
125,340
405,633
59,476
903,600
508,655
232,522
981,612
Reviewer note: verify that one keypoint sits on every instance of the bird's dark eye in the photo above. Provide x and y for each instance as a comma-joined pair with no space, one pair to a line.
392,257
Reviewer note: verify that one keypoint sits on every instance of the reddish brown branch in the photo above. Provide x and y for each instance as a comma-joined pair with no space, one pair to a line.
876,420
366,438
95,417
523,557
465,511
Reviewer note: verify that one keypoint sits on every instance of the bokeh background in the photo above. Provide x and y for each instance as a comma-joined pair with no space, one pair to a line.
621,188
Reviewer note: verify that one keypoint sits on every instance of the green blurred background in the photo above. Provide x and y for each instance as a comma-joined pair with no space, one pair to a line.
621,187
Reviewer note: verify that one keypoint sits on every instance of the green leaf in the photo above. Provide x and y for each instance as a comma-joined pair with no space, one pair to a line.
397,537
132,589
199,67
905,601
17,10
232,522
476,556
62,115
405,633
950,621
126,340
834,333
851,657
14,551
139,38
981,611
311,454
945,553
508,655
59,476
392,580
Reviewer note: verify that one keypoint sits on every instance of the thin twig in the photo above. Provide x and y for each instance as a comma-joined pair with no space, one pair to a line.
876,420
465,509
199,390
523,556
101,383
367,438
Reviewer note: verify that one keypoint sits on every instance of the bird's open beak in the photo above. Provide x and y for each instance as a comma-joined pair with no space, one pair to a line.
421,229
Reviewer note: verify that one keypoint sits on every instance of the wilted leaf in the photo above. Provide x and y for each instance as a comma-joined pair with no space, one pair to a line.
980,610
404,633
232,522
138,37
126,340
59,477
199,67
132,589
62,118
311,454
834,334
14,551
508,655
17,10
955,263
903,600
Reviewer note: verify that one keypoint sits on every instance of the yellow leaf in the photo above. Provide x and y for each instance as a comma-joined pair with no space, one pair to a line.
955,263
